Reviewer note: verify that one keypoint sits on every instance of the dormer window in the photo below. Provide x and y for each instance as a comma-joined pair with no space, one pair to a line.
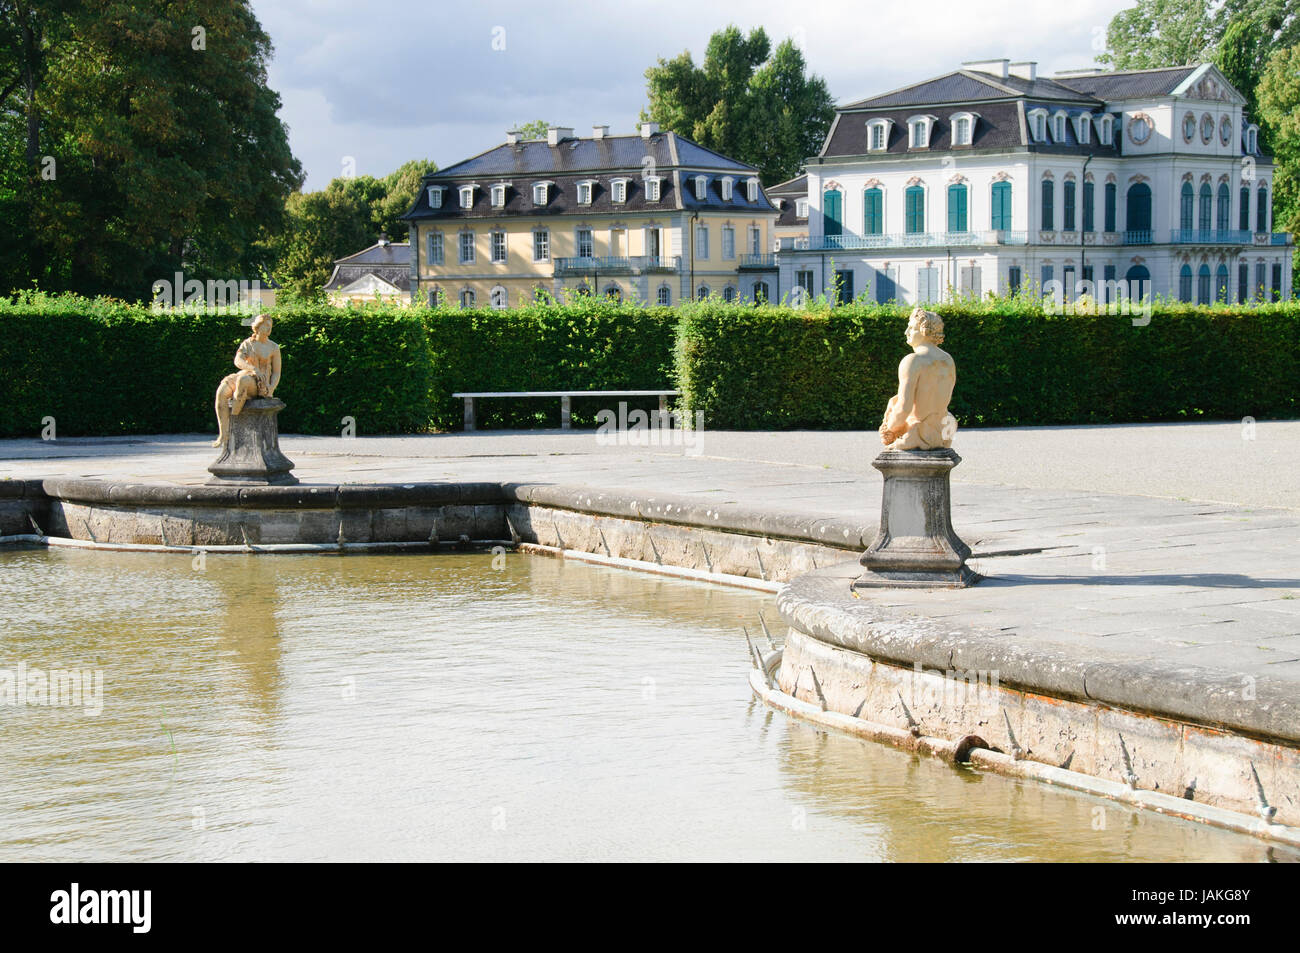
498,196
652,186
878,134
963,128
1038,125
584,192
751,190
1252,140
1058,127
1083,128
919,132
727,183
701,188
618,190
467,196
1107,130
801,208
435,195
541,193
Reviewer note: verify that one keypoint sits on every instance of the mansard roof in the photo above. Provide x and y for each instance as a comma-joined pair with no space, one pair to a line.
608,154
970,86
1130,84
388,261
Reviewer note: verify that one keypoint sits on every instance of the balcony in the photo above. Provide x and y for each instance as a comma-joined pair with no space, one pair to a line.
1141,236
616,265
1209,236
758,262
905,240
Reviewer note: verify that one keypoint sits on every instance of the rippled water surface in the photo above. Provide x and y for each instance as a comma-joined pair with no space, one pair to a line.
435,707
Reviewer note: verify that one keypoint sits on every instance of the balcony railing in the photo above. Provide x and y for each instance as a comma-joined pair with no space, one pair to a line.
1210,236
616,264
905,240
757,261
1141,236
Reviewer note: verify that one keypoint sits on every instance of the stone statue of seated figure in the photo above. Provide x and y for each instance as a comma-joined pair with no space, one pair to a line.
258,360
917,417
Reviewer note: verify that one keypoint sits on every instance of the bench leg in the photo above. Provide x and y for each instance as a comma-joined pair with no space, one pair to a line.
469,413
566,420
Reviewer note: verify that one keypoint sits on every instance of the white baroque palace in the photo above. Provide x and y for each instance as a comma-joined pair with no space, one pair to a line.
991,179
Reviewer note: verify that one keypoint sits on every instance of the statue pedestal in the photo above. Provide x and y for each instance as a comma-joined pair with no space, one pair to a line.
916,547
253,457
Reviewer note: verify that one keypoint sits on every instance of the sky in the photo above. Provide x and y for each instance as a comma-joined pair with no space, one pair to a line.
365,87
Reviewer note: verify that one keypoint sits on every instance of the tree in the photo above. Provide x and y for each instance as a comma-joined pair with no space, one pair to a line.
745,101
1279,107
1160,33
533,130
150,143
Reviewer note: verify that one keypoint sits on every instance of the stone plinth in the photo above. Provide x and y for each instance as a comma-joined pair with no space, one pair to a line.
253,457
916,546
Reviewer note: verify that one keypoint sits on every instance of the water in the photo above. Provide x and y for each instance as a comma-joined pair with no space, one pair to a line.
437,708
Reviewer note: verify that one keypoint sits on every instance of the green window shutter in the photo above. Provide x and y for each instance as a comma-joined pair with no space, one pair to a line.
873,212
956,208
832,222
1047,210
1001,206
915,210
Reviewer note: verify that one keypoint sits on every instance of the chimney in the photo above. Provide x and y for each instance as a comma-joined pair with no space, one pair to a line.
383,239
599,132
997,68
649,129
1025,70
557,134
513,137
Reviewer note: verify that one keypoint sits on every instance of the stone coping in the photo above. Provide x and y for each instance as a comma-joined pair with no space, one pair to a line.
822,605
657,508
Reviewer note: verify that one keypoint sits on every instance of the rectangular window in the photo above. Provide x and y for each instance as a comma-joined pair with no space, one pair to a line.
873,207
844,285
1108,281
1089,213
1048,212
728,242
1260,274
915,208
1109,213
435,197
927,285
957,208
755,240
619,191
542,245
1046,275
1067,283
1068,212
1001,217
1244,211
1277,281
653,242
1013,280
877,137
584,193
970,281
435,248
804,279
652,190
498,248
539,193
702,241
466,248
498,196
586,244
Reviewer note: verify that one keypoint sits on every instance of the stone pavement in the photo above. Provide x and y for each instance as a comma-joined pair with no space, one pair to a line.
1176,544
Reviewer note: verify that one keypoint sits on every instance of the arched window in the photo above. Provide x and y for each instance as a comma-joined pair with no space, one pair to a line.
1206,216
761,292
915,202
614,293
467,298
729,294
1203,285
701,293
832,212
1244,212
873,212
1185,283
1224,209
1261,208
1089,207
499,298
1137,225
1000,201
1111,200
957,218
1139,282
1221,284
665,296
1048,211
1186,209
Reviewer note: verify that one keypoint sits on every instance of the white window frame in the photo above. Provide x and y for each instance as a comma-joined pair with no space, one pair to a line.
544,190
435,195
664,295
701,187
881,127
545,235
472,247
956,119
728,184
728,239
499,195
492,246
467,196
499,298
729,294
437,251
1106,129
587,187
800,208
618,191
701,241
1037,125
751,189
468,298
755,240
1083,128
919,131
1059,120
591,240
653,187
1252,139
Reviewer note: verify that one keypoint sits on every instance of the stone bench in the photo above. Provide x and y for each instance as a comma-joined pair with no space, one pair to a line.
566,398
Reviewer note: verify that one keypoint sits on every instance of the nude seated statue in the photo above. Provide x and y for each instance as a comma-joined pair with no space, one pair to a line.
917,417
258,360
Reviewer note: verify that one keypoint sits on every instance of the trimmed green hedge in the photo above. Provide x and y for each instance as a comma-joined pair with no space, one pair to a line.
780,368
104,367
